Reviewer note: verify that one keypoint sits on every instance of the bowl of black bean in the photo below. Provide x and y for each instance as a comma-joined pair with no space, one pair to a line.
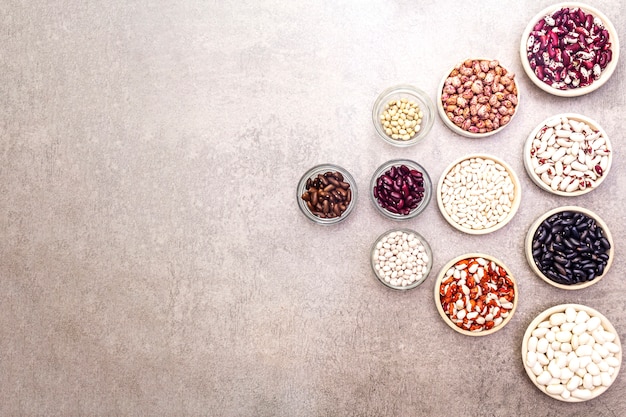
569,247
326,194
400,189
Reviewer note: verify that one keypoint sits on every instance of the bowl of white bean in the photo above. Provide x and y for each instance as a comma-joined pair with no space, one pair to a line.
477,98
571,352
403,115
569,49
401,259
478,194
476,294
568,154
569,247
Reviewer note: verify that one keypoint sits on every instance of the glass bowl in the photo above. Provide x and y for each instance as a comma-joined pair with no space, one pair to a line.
417,247
569,314
558,81
487,313
478,120
452,196
347,194
542,168
394,166
533,242
408,93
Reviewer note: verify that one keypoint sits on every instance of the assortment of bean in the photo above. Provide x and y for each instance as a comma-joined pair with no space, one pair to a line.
478,193
569,48
327,195
401,259
401,119
570,248
479,96
572,355
477,294
569,155
400,189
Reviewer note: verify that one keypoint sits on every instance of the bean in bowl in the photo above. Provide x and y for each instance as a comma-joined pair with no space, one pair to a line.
568,155
569,247
476,294
478,97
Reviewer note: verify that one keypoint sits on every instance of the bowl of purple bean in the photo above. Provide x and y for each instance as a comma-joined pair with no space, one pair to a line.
477,98
403,115
569,247
400,189
568,154
569,49
326,194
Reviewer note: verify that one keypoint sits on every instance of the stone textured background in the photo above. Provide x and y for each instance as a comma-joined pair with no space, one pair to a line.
153,260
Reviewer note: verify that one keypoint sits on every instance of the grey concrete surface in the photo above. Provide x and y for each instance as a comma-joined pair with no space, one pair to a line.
153,260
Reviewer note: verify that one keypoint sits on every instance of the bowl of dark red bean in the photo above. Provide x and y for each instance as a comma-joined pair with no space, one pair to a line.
326,194
569,247
569,49
476,294
477,98
400,189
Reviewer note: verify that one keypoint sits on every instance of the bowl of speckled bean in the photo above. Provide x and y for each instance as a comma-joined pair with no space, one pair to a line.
569,247
569,49
478,97
476,294
568,154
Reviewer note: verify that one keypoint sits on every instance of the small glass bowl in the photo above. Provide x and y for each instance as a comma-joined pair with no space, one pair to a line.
444,315
531,160
443,114
313,173
530,239
427,266
413,166
576,91
545,317
411,93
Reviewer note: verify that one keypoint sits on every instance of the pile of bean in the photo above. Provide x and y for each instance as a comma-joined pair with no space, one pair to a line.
476,294
478,193
571,354
479,96
400,189
569,155
400,259
570,248
401,119
327,195
569,48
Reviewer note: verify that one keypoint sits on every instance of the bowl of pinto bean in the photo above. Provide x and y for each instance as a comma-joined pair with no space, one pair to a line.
569,49
478,98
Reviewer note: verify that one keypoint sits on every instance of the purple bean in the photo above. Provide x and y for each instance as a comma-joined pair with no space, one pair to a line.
399,190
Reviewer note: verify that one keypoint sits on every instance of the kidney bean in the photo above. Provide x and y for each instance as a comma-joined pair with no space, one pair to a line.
399,190
327,195
568,49
570,248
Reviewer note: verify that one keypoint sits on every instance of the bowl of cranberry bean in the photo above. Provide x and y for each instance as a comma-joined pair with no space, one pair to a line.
400,189
403,115
326,194
571,352
476,294
568,154
478,194
478,98
401,259
569,247
569,49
